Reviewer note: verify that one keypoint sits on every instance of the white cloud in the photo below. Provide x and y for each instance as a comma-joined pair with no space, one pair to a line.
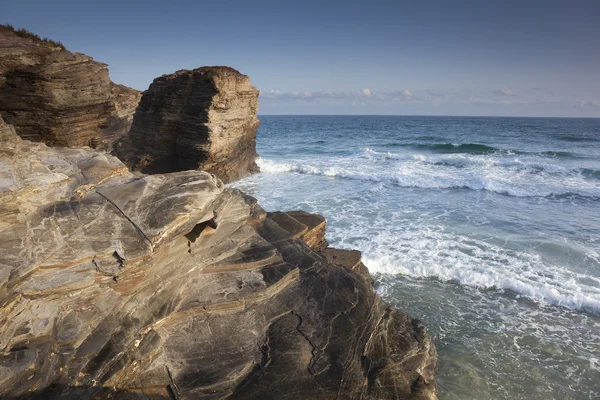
399,95
593,103
525,98
503,92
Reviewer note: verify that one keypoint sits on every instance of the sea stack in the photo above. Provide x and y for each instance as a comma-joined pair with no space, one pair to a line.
58,97
195,119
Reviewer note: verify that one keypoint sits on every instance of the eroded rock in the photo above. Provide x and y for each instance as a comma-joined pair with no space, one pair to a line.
199,119
116,284
61,98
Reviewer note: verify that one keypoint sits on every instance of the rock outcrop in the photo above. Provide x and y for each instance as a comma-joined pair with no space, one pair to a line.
125,101
116,284
58,97
200,119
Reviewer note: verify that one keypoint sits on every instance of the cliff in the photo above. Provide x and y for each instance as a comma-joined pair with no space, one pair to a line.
58,97
116,284
199,119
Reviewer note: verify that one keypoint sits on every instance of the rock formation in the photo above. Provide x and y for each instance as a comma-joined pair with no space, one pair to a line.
116,284
200,119
125,101
58,97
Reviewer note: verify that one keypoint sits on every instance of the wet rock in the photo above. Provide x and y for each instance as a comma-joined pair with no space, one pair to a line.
199,119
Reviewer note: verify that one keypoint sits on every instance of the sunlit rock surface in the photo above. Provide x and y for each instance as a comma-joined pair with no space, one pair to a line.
59,97
121,285
195,119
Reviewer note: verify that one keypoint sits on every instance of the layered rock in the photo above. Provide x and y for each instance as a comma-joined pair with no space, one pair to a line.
125,100
58,97
115,284
200,119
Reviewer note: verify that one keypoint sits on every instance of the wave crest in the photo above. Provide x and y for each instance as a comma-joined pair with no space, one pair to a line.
479,149
470,148
417,171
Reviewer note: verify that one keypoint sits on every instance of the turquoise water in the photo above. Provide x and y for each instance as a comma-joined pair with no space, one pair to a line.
487,229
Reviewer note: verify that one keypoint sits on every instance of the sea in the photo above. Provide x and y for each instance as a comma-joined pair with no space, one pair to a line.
486,229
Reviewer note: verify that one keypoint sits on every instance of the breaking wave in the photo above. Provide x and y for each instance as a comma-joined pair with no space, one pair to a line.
519,177
432,253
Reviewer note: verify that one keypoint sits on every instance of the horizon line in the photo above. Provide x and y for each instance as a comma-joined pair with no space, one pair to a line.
422,115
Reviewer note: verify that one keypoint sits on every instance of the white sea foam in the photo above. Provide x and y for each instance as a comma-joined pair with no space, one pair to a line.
421,251
507,175
431,253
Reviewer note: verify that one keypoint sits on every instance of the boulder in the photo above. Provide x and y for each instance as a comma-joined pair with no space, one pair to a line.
202,119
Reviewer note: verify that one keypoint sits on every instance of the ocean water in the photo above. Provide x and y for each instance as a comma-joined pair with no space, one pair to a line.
486,229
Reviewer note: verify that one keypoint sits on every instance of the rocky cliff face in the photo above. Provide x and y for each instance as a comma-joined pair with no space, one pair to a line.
59,97
115,284
200,119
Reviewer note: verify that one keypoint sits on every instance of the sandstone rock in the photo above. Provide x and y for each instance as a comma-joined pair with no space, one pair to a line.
200,119
115,284
350,259
59,97
310,228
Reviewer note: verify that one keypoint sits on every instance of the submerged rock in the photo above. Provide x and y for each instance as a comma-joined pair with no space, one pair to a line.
116,284
199,119
61,98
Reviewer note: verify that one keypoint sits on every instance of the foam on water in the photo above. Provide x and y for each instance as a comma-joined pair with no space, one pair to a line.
429,252
513,176
426,251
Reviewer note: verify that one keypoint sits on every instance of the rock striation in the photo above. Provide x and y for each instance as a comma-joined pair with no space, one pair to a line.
199,119
116,284
61,98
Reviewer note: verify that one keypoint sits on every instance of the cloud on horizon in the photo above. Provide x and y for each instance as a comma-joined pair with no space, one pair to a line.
432,100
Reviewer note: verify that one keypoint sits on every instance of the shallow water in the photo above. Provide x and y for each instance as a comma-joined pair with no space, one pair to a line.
487,229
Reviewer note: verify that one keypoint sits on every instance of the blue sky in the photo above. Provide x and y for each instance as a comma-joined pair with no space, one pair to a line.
530,58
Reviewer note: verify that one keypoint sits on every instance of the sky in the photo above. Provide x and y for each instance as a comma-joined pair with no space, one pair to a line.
512,58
